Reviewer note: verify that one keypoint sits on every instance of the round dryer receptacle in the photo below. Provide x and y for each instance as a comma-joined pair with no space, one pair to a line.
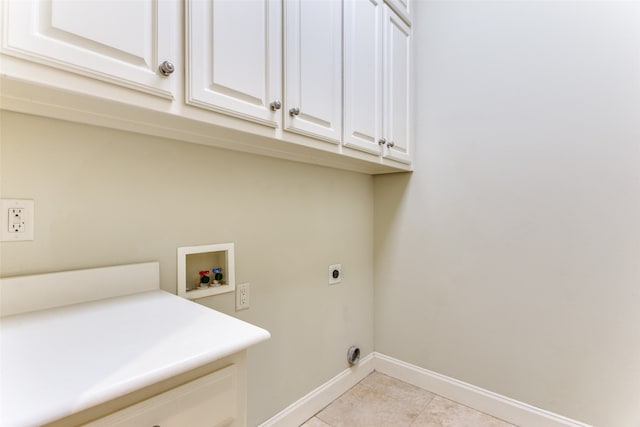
353,355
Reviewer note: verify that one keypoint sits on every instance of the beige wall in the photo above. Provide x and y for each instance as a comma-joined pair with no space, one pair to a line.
104,197
508,260
511,258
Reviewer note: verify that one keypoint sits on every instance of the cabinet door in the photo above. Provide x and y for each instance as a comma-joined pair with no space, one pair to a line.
121,42
213,400
234,57
363,74
402,8
313,68
397,92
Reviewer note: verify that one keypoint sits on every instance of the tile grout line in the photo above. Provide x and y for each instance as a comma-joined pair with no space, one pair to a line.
413,420
317,414
433,395
423,409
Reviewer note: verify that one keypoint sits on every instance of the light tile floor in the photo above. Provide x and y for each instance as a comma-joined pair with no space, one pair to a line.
383,401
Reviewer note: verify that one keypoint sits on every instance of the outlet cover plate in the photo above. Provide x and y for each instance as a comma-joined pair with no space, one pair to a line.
27,216
242,296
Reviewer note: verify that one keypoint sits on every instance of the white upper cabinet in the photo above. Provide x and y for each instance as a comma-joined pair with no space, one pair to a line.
402,8
397,123
234,58
121,42
313,68
377,82
320,81
363,75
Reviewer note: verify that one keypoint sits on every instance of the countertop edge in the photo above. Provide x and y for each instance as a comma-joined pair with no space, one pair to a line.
251,335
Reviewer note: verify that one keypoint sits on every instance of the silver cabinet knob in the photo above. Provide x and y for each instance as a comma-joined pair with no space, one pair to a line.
166,68
275,105
294,111
382,141
390,144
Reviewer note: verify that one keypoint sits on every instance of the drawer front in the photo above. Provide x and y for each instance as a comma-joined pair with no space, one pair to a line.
211,401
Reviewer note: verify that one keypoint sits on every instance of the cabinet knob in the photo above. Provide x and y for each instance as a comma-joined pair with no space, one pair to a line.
390,144
382,141
294,111
275,105
166,68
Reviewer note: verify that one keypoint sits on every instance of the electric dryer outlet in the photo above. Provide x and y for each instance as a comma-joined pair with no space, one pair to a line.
335,274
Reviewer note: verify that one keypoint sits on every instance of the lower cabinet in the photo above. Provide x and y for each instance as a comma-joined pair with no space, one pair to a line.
213,400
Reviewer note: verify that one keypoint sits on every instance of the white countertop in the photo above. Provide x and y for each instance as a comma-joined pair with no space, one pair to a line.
59,361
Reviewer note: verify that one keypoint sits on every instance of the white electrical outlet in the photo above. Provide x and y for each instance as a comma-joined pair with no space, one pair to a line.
16,220
242,296
335,274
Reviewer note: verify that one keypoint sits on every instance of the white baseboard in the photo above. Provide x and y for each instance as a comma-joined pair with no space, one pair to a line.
469,395
306,407
499,406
